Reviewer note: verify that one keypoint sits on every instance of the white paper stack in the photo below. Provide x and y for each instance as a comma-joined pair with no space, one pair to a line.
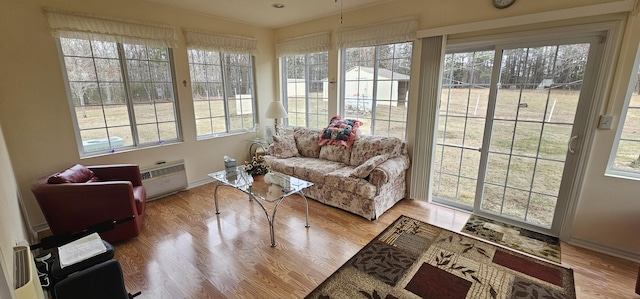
80,250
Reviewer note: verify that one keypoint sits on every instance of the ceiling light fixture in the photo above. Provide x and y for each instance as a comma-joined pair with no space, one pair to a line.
341,2
278,5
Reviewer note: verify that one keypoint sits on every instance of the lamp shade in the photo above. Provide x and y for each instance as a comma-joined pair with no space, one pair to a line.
276,110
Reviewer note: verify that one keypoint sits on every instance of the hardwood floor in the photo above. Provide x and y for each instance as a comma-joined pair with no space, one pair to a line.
187,251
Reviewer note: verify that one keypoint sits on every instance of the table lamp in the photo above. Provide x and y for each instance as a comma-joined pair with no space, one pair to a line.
276,111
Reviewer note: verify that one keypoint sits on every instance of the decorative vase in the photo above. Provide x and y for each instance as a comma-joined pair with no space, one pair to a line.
258,178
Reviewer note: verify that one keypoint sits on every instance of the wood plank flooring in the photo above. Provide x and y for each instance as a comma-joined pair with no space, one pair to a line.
185,250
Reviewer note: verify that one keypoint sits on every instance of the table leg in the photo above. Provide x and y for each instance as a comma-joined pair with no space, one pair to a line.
306,208
272,233
215,197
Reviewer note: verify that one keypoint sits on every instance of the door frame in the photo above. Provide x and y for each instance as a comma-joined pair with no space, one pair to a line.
610,34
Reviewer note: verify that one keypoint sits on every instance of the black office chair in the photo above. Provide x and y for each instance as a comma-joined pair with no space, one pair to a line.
100,281
98,277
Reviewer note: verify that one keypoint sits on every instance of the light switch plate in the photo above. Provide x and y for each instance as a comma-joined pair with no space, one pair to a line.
606,122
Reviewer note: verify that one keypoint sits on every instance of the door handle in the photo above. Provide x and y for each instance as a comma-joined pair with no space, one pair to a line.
570,144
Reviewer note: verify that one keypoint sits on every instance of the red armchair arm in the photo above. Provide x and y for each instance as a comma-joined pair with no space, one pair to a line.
119,172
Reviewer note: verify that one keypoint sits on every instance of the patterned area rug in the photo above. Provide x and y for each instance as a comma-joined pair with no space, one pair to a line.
413,259
520,239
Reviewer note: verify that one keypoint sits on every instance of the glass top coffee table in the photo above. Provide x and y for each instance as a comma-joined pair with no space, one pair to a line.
273,187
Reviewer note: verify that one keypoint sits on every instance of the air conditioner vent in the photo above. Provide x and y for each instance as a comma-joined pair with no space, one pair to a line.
167,170
163,179
21,268
26,282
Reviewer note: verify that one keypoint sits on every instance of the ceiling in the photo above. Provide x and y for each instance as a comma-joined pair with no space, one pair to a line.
262,13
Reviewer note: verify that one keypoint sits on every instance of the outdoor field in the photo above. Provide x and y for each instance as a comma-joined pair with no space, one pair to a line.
541,122
535,131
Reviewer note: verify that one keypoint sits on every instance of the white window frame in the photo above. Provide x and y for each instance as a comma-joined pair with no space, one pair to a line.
226,94
308,115
372,116
611,169
137,144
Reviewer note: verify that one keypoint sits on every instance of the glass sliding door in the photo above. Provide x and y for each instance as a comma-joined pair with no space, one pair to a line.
506,130
462,114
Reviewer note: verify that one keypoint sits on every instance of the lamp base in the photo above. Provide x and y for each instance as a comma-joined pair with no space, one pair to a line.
280,131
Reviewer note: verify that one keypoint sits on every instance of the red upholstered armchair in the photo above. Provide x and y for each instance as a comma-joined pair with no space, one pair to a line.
82,196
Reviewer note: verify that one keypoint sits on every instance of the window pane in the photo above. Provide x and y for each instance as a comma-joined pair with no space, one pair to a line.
148,133
306,89
108,70
103,106
116,115
75,47
376,87
627,156
105,49
222,88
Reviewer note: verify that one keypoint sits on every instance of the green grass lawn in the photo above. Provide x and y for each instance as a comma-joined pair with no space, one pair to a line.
464,125
542,127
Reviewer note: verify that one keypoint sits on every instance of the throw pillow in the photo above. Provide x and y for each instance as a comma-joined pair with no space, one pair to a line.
307,141
340,132
284,147
367,167
75,174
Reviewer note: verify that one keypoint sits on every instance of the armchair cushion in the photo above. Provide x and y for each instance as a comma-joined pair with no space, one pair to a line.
76,174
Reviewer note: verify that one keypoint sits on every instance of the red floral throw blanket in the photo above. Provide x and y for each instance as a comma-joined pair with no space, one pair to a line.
340,132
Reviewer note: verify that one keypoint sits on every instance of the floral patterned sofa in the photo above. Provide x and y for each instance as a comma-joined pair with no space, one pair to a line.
366,179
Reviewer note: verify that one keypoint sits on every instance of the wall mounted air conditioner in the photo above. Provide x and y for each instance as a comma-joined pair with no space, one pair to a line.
163,179
26,280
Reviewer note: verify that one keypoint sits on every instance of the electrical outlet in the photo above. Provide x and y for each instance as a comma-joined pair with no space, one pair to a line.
606,121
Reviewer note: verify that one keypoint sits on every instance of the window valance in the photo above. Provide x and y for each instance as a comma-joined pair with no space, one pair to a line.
85,26
388,32
201,40
317,42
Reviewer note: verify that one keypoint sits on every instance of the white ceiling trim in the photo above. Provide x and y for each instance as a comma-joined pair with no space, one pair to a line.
549,16
311,43
209,41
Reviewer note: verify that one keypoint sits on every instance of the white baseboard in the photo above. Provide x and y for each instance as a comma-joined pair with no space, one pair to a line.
200,183
630,256
40,227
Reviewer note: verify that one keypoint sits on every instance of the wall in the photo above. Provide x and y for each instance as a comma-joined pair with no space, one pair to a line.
11,225
606,215
33,102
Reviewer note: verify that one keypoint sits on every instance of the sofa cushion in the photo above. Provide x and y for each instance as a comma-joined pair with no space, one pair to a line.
284,147
340,132
75,174
335,153
314,170
307,142
343,180
363,170
365,148
286,165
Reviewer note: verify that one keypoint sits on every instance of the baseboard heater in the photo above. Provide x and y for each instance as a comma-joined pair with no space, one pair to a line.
26,280
163,179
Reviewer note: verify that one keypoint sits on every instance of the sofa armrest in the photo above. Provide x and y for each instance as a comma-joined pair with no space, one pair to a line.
120,172
388,170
